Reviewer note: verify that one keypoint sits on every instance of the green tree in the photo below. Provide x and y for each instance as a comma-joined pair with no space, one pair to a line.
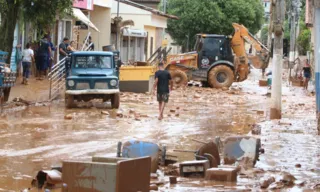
41,13
304,39
264,34
215,17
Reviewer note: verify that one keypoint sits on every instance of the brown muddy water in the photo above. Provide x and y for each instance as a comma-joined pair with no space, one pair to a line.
39,137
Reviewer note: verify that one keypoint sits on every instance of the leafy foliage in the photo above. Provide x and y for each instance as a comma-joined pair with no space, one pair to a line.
214,17
304,39
41,13
264,34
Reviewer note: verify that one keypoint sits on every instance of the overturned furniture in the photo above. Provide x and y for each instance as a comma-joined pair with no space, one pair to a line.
137,149
238,149
107,175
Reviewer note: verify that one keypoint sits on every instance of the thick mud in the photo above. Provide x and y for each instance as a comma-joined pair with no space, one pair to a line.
38,137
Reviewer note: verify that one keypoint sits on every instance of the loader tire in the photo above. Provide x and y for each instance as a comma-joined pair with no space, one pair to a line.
220,76
179,78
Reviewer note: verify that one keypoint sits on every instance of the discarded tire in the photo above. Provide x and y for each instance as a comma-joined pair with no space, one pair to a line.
179,78
220,76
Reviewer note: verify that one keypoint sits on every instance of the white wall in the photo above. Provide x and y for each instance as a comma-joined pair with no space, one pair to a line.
103,3
266,6
140,17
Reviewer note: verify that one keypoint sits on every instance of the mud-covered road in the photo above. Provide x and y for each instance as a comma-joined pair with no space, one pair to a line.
38,137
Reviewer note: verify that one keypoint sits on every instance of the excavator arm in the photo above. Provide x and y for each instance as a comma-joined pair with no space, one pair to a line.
241,35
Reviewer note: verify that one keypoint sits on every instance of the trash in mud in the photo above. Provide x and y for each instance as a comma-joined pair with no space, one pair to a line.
226,174
47,178
153,187
197,96
107,175
265,183
153,176
173,180
287,179
105,113
20,100
68,117
120,114
210,152
225,88
194,168
256,129
135,149
241,148
173,170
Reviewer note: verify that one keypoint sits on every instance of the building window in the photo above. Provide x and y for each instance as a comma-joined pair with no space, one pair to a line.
265,4
68,29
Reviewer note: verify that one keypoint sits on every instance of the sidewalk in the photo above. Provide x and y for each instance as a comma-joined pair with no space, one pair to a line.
36,91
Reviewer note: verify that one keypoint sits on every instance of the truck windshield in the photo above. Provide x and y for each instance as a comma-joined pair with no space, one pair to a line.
97,61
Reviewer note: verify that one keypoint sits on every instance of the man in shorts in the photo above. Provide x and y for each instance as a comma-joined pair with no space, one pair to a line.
164,85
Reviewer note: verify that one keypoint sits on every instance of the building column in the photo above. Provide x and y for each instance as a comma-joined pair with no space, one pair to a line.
136,49
142,44
129,47
317,62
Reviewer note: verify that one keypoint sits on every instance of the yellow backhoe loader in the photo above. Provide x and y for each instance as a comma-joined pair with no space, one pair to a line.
218,60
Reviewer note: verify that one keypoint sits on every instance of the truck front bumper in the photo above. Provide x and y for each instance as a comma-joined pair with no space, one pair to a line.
92,92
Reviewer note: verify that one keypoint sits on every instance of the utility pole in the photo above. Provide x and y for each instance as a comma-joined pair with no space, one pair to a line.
294,31
317,61
117,21
270,27
297,29
276,92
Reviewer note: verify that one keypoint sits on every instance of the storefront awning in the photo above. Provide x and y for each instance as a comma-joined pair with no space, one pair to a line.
77,13
134,32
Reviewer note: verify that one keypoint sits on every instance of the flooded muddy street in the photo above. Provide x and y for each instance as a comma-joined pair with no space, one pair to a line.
42,136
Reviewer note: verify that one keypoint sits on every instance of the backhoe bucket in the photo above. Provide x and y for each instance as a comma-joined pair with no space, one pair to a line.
259,61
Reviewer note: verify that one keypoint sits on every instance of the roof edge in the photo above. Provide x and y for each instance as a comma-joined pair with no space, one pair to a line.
154,11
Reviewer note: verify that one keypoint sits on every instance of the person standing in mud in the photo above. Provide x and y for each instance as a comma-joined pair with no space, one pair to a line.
27,59
164,85
306,74
44,52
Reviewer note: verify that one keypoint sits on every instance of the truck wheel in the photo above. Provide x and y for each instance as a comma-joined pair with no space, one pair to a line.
220,76
6,94
69,101
179,78
115,101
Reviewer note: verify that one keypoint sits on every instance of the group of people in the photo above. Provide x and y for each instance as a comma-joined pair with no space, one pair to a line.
305,74
41,54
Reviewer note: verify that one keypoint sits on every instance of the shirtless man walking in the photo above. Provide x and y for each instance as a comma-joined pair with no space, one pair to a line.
164,85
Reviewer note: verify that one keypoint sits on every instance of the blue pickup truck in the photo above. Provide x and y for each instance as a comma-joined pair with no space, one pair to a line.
92,75
7,78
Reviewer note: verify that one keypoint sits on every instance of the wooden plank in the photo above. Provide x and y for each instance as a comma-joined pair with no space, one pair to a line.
134,175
